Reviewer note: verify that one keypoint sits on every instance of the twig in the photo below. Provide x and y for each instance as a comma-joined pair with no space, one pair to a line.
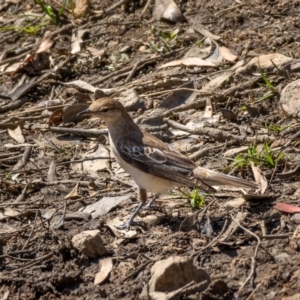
34,262
32,230
78,131
25,158
145,8
60,224
253,260
116,5
131,74
248,298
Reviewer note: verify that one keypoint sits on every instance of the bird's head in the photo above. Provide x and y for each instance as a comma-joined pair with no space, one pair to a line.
107,109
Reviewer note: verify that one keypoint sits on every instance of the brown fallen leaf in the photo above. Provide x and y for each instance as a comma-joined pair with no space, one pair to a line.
106,266
56,117
70,113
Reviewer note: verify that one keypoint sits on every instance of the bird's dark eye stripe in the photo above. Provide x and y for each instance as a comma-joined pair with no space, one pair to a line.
104,109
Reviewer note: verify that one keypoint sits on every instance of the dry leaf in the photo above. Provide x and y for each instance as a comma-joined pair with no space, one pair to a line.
167,10
287,208
201,29
56,117
105,269
227,54
77,39
70,113
52,173
96,52
188,61
17,135
259,178
82,84
74,193
92,166
45,44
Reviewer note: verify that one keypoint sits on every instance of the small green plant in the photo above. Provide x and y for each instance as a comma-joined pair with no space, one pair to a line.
51,12
196,200
116,61
265,157
199,43
169,36
276,127
29,29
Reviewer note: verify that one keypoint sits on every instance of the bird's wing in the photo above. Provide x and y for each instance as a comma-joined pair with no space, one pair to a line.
150,155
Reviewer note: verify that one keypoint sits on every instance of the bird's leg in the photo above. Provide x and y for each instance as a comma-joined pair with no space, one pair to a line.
148,206
143,199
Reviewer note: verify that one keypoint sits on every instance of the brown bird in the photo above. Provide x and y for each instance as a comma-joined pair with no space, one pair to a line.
152,165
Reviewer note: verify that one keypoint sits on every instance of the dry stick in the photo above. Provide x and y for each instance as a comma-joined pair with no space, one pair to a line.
253,264
128,69
60,224
35,262
131,74
145,8
116,5
81,132
25,112
22,196
32,230
25,158
248,298
16,58
181,89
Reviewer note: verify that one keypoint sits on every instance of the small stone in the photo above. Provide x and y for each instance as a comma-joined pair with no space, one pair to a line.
142,48
173,273
289,97
296,218
90,243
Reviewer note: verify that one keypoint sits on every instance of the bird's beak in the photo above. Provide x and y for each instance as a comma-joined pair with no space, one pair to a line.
85,112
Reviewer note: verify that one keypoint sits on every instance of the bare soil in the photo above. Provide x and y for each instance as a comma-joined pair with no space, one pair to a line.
257,259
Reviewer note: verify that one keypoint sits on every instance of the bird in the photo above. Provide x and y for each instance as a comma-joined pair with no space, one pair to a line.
151,163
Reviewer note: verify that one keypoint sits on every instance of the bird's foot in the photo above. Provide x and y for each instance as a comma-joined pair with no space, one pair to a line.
127,224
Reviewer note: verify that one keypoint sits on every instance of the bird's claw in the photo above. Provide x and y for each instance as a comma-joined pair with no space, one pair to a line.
127,224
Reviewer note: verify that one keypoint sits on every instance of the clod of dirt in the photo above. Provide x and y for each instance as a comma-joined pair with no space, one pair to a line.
163,280
82,8
90,243
289,97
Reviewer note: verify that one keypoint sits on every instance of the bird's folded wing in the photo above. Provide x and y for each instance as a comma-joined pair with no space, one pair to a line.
154,158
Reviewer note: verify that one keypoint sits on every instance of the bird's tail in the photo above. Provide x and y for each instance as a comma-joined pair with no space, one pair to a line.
216,178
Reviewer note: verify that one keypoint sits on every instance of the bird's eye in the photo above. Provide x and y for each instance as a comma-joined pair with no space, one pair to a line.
104,109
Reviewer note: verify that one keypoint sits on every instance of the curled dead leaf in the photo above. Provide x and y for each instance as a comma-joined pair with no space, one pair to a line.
70,113
56,118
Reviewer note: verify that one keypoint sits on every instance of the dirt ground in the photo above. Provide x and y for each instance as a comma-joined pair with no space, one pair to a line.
224,112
